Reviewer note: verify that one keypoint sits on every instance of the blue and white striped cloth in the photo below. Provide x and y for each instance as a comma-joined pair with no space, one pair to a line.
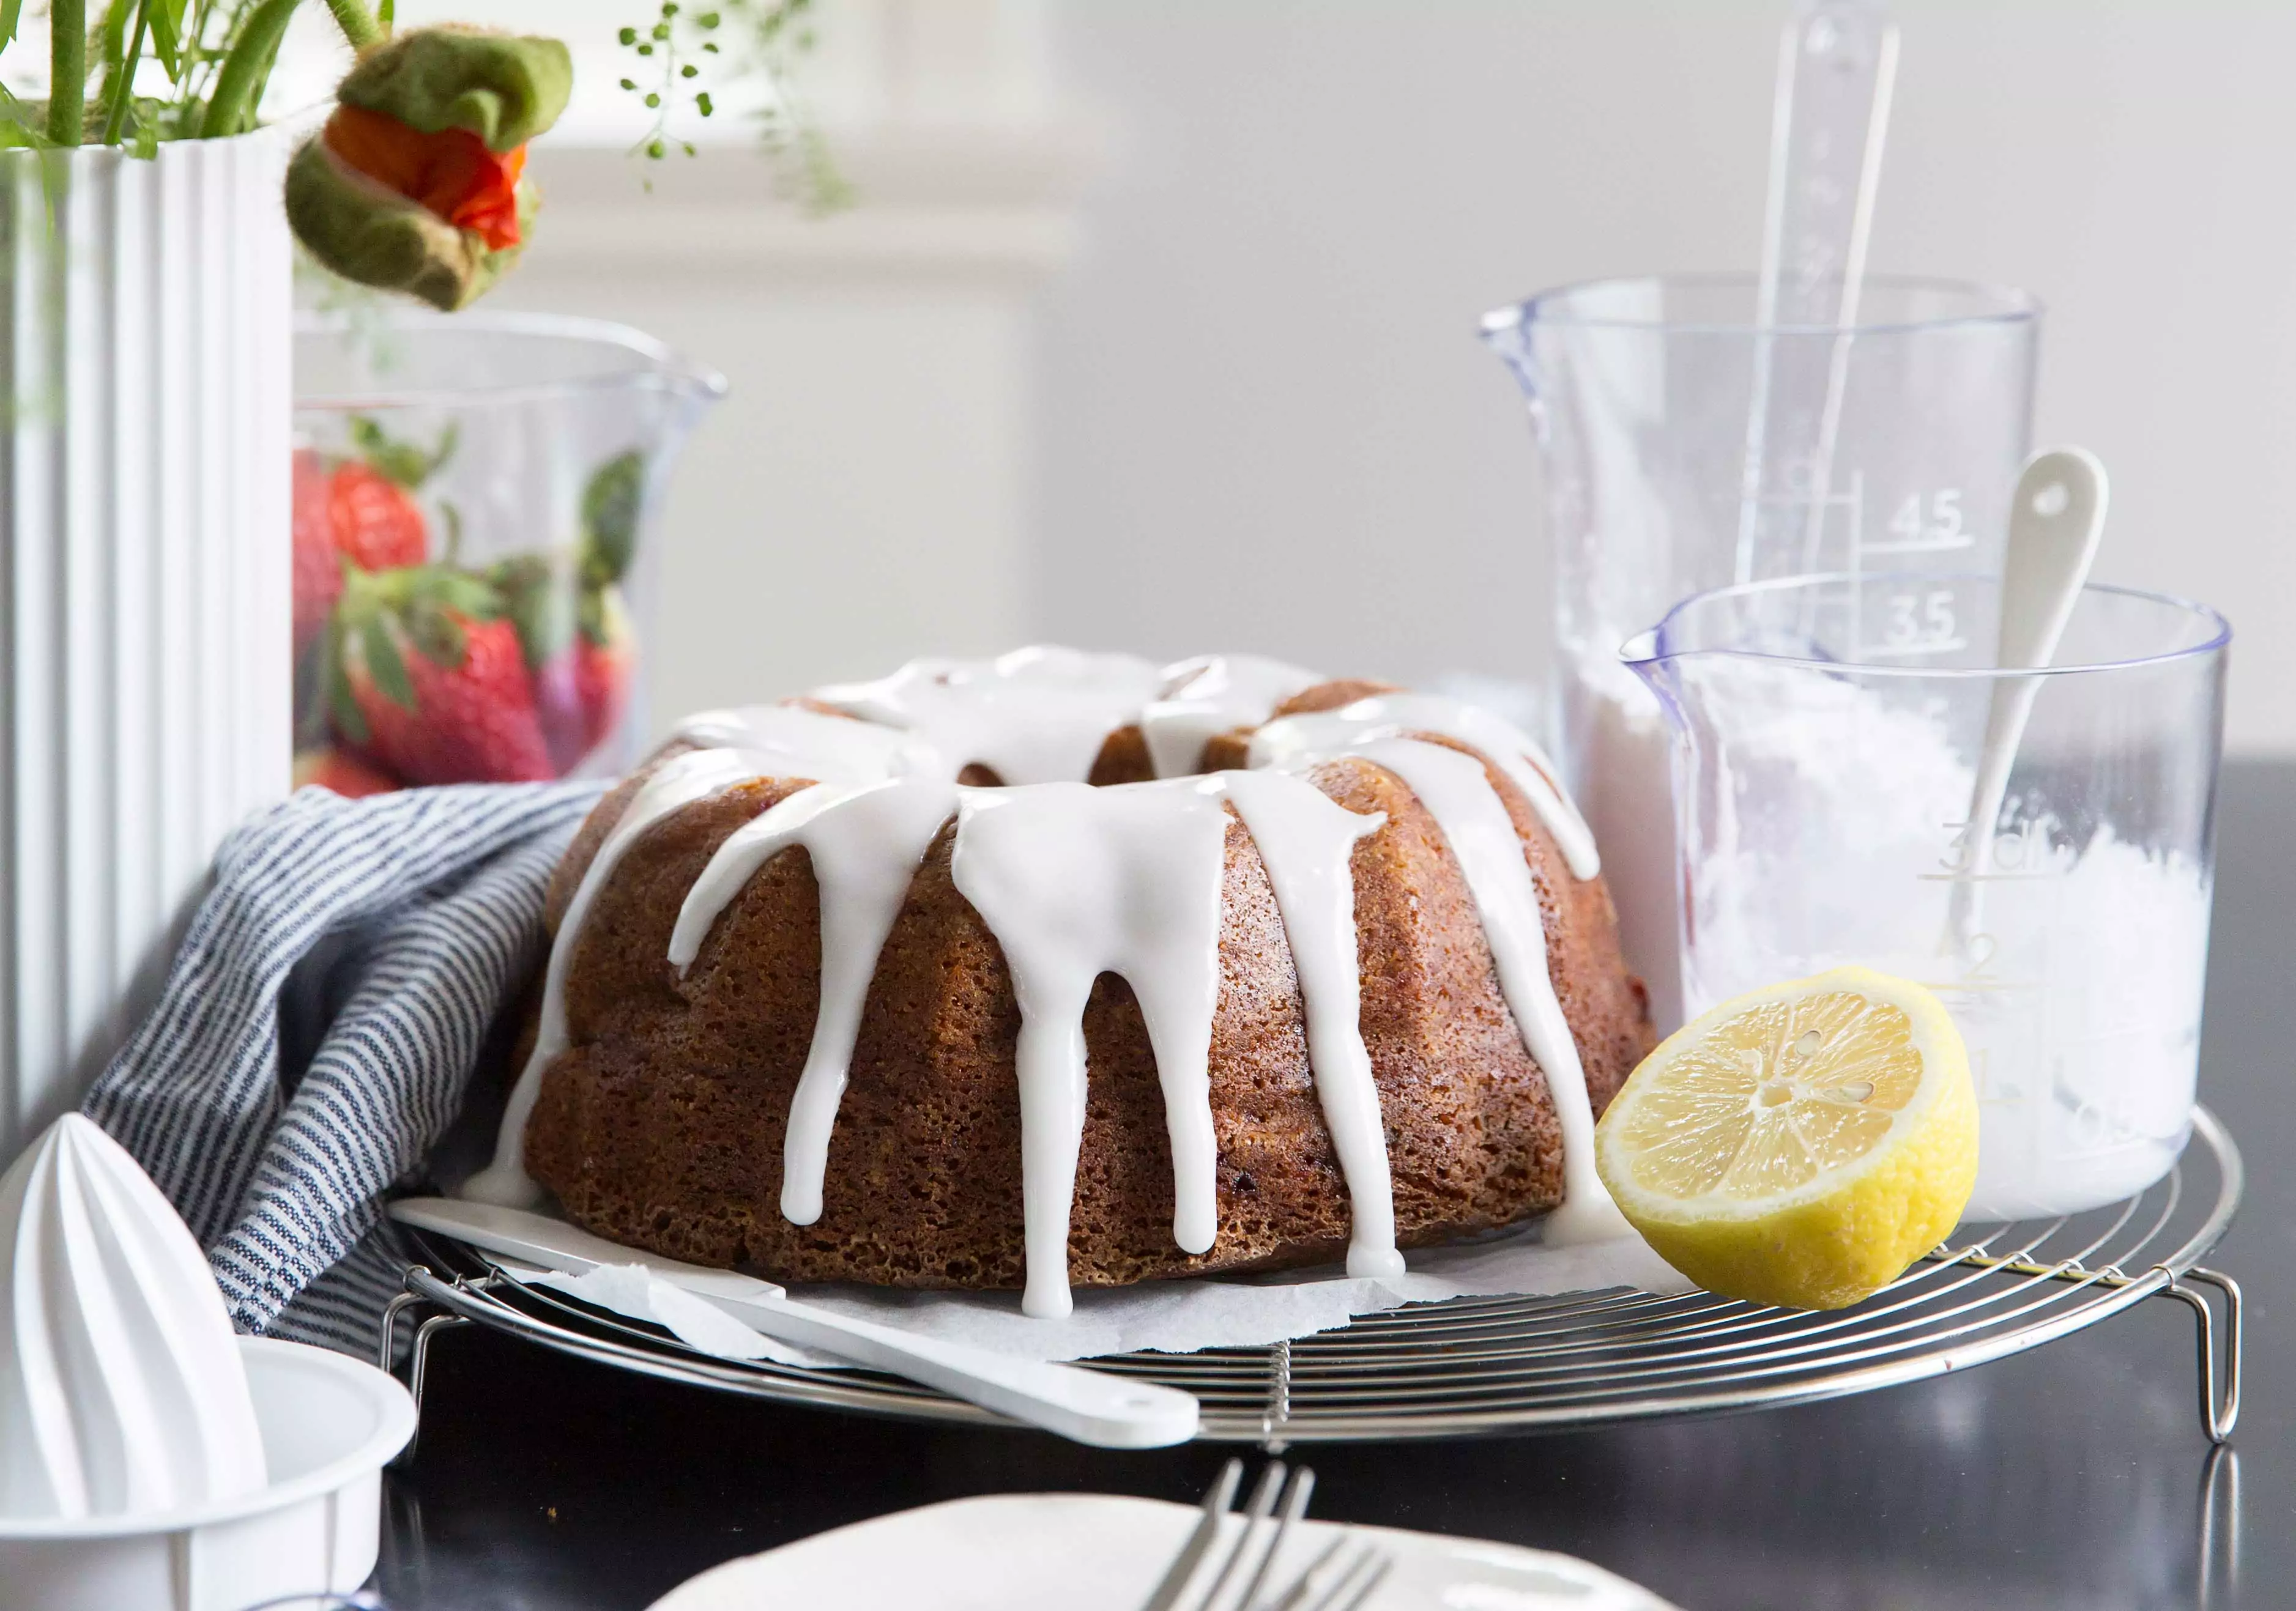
426,908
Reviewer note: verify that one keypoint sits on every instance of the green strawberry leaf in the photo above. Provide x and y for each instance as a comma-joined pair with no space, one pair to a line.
459,590
438,634
350,720
610,516
401,461
384,664
538,598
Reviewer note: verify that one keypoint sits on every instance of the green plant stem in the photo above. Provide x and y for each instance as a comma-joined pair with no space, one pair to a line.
123,79
245,66
358,23
67,70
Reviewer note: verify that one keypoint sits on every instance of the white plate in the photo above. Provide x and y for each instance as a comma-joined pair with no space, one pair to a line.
1104,1552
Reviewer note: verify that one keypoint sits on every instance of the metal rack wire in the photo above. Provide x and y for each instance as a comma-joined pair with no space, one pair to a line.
1482,1365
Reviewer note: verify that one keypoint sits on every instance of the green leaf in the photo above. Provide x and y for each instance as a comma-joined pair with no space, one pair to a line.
459,590
400,461
166,19
438,635
544,617
12,11
350,720
611,505
384,666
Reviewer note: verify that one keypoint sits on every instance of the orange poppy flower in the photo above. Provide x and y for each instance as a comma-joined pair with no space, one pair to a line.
451,173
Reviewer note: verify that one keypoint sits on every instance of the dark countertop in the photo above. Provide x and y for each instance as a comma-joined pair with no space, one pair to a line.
2072,1475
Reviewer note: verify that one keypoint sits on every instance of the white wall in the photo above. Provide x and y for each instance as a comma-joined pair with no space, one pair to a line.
1266,420
1250,411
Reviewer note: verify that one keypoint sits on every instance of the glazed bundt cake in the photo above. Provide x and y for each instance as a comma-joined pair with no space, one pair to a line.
1062,968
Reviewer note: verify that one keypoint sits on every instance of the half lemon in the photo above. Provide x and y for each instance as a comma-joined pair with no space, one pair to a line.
1800,1144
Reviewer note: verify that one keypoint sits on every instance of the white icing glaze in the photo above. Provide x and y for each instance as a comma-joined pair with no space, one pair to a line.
1306,839
804,743
677,783
122,1390
1295,738
1035,716
1457,793
1075,882
1211,695
866,843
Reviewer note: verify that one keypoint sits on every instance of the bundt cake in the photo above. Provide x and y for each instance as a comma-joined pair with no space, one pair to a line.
1061,967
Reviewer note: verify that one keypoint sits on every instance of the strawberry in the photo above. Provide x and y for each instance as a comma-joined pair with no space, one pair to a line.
375,524
360,511
319,573
342,772
576,636
606,658
431,681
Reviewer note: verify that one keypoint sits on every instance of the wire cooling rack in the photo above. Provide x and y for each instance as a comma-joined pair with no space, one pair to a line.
1484,1365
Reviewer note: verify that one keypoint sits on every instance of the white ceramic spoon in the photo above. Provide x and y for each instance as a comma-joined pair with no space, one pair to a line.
1107,1411
2056,518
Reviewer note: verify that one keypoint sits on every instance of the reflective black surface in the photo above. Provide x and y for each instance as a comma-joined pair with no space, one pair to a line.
2074,1476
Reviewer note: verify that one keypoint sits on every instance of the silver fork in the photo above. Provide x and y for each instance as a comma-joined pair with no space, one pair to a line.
1339,1579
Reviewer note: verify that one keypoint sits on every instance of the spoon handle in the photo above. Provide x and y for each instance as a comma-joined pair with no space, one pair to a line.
2055,519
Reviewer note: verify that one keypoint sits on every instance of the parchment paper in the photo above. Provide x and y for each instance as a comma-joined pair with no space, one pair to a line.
1209,1312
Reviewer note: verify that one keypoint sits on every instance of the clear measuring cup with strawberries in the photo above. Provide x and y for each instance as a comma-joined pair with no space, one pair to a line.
474,503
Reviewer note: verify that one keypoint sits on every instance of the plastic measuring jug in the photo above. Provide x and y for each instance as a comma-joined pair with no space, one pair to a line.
1826,732
1900,451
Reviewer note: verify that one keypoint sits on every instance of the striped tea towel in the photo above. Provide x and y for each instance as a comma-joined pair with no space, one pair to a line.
420,911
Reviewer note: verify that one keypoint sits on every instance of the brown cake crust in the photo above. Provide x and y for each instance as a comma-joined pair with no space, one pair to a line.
663,1125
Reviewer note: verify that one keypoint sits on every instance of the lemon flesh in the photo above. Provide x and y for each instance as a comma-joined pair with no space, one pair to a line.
1797,1145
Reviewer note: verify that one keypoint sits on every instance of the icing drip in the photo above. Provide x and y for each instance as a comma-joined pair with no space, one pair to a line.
802,743
1306,840
866,843
1457,793
1295,738
675,784
1036,716
1211,695
1076,882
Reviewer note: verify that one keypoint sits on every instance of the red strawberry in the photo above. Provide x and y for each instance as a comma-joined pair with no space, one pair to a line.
605,657
376,523
318,574
350,512
342,772
582,690
432,681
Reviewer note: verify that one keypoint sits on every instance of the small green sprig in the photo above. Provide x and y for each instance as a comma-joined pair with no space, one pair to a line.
684,50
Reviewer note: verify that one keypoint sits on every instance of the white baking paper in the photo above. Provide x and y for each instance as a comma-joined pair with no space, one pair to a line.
1202,1311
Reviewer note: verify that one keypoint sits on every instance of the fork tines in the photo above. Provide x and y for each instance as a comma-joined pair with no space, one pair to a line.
1337,1580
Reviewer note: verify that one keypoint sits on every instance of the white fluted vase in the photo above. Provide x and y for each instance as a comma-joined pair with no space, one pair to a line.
144,611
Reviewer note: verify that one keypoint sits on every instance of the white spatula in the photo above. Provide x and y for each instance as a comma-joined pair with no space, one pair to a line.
1106,1412
2056,518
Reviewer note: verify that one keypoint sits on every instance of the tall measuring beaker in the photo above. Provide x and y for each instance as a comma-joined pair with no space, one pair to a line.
1827,736
1687,448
